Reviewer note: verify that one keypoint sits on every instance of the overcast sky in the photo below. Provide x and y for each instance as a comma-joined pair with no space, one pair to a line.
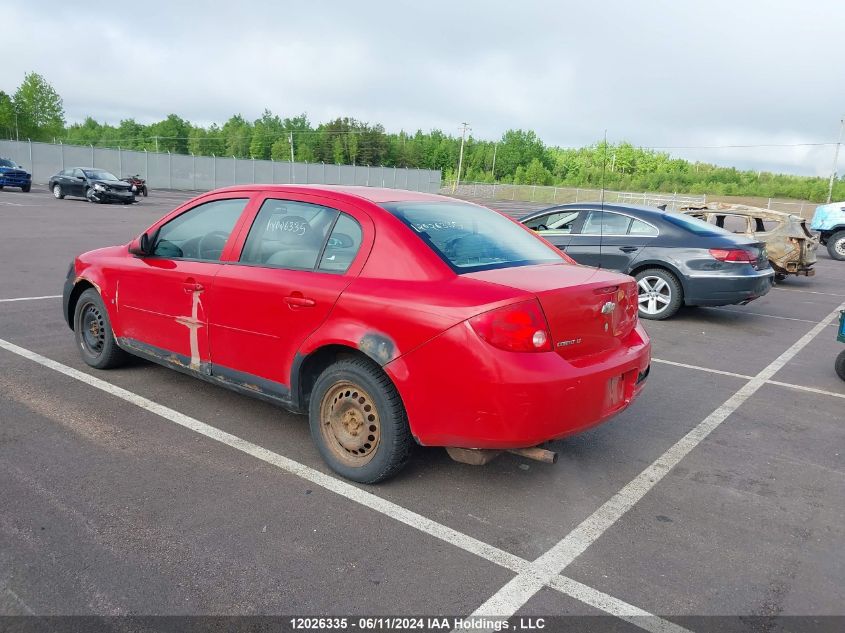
658,74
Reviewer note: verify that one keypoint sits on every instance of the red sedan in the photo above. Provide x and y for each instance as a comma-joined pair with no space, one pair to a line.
390,317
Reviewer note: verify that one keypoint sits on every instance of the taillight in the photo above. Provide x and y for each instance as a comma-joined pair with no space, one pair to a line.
733,255
521,327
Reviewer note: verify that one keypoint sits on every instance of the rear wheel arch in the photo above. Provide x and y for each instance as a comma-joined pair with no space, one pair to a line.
308,367
641,266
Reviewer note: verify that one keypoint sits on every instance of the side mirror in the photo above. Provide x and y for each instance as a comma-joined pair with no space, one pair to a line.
141,246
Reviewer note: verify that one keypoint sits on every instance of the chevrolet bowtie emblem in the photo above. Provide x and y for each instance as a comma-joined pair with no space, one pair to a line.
608,307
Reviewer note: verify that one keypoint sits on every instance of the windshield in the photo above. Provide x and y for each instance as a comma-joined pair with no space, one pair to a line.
471,238
6,163
694,225
99,174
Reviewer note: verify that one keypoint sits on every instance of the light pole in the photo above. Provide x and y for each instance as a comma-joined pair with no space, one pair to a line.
464,128
835,160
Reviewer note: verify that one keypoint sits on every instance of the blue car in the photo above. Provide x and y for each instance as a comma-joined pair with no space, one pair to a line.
829,221
13,175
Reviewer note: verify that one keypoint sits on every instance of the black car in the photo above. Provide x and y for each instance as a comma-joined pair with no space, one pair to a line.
96,185
676,259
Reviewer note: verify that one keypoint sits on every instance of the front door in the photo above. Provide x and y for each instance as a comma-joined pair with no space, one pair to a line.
296,259
557,227
161,299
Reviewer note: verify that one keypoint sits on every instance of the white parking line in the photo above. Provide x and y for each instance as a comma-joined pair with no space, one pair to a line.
31,298
699,368
777,383
760,314
491,553
514,594
809,292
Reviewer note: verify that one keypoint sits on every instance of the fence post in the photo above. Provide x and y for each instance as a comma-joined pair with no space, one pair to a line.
272,170
62,150
674,201
394,177
769,204
554,196
169,170
214,170
234,169
253,170
290,170
193,172
494,191
577,191
119,160
92,153
533,191
368,175
146,164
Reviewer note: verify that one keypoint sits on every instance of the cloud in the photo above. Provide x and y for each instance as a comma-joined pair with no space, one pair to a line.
656,73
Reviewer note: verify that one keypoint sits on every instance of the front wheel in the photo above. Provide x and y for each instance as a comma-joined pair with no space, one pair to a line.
92,329
840,365
144,191
58,194
659,294
836,245
26,188
358,421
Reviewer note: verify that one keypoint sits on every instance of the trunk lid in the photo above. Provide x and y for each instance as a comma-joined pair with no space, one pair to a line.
589,311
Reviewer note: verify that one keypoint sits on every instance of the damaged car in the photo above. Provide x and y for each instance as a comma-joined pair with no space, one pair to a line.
790,246
391,318
829,221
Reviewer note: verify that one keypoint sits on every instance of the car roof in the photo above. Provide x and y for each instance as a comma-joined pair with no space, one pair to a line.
635,209
376,195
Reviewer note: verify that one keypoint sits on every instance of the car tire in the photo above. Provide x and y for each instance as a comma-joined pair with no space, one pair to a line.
1,187
58,194
26,188
144,192
660,294
93,333
836,245
840,365
358,421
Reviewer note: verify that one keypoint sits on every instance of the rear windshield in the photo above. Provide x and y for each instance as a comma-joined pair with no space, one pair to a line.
471,238
694,225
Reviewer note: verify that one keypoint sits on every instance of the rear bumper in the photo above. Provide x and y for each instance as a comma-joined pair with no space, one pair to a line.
459,391
721,290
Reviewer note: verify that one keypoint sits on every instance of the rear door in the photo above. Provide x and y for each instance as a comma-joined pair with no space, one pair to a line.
623,240
297,253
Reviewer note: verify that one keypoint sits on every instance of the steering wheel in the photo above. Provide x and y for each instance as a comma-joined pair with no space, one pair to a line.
202,246
541,227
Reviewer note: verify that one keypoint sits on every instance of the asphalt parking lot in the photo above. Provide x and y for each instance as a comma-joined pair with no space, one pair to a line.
721,491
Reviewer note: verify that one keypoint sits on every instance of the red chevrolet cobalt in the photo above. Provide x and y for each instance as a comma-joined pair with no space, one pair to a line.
389,317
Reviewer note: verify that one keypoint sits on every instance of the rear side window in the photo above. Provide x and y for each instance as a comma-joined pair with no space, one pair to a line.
201,232
606,223
342,245
288,234
638,227
732,223
470,238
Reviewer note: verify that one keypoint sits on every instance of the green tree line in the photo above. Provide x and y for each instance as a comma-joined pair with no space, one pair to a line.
35,111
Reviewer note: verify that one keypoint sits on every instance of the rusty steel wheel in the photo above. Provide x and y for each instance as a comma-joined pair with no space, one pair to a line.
350,423
358,421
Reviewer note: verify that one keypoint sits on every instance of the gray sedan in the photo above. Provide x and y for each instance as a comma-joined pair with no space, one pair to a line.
676,259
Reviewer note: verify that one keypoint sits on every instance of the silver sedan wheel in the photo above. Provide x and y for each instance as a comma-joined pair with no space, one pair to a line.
654,294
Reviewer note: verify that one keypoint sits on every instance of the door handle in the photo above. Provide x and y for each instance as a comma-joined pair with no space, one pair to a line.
629,249
297,300
190,286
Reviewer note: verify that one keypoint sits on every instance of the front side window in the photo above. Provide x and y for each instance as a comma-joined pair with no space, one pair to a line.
470,238
288,234
200,233
560,222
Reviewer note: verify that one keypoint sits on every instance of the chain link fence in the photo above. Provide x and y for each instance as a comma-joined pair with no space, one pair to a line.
201,173
562,195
